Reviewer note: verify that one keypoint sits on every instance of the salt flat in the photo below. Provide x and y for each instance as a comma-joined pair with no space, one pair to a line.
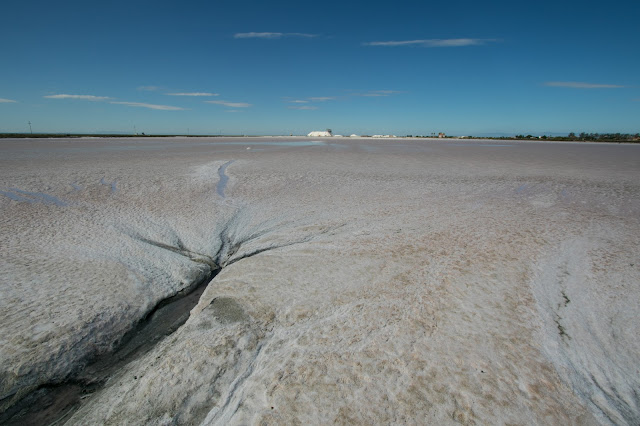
360,281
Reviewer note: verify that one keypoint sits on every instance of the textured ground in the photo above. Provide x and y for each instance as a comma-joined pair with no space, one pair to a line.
362,281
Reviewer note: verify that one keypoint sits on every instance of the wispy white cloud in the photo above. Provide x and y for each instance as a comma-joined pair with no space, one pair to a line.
579,85
322,98
230,104
83,97
193,94
150,106
304,107
298,101
7,101
435,42
388,92
378,93
148,88
272,35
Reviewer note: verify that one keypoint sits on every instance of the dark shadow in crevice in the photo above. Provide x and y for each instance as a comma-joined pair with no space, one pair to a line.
53,403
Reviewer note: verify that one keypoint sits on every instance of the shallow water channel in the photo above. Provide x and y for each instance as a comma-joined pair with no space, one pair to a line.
224,179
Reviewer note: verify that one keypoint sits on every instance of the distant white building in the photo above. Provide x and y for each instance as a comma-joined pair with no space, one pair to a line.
320,134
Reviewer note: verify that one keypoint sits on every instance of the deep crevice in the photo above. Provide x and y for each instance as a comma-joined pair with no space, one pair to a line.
53,403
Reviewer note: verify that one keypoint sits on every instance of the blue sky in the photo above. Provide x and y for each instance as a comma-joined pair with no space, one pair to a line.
279,67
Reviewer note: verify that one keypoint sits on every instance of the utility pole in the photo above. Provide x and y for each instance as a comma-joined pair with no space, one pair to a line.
31,130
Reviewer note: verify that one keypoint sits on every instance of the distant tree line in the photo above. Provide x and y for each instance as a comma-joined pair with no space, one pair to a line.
605,136
594,137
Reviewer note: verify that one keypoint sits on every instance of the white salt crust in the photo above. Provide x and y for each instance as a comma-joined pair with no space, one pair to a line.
363,282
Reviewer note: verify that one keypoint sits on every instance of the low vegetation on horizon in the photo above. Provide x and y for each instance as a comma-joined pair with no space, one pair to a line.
596,137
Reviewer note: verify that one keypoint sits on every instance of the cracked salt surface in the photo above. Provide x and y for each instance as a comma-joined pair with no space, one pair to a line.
53,403
375,283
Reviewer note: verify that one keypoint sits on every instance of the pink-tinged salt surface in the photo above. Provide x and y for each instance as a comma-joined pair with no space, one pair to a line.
363,281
